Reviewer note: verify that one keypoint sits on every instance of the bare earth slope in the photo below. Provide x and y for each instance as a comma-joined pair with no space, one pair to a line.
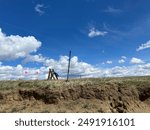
80,95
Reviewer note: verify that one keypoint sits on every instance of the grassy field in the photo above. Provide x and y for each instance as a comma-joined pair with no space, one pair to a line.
128,94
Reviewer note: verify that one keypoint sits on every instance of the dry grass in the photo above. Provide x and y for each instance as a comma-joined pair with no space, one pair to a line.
138,81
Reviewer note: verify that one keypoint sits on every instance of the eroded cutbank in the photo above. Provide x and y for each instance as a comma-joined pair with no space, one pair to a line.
80,95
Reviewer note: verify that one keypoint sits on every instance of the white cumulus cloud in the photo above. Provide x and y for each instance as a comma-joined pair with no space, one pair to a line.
109,62
34,58
19,72
136,61
121,61
144,46
94,32
15,46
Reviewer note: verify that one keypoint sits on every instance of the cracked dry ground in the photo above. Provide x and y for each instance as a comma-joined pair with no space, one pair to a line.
89,95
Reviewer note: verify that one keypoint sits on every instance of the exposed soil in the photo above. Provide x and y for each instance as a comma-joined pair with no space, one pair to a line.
106,97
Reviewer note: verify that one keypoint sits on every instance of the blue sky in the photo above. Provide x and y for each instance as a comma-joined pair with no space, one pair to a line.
102,34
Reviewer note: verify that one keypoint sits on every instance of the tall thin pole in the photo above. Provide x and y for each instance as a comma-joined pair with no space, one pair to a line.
69,66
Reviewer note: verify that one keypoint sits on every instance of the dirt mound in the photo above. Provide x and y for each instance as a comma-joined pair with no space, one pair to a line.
106,97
